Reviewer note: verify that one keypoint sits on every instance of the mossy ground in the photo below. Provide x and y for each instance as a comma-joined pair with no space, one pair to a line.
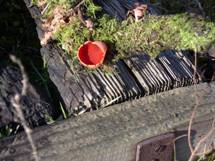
175,30
210,157
151,35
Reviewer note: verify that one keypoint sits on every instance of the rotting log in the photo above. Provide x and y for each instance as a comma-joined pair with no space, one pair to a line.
113,133
85,91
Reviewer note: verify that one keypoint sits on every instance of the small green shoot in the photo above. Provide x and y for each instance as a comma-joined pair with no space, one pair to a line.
65,116
49,119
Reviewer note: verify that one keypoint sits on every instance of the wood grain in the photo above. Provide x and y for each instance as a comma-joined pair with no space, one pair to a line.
112,133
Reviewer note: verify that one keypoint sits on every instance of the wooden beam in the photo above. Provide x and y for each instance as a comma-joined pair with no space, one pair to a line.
113,133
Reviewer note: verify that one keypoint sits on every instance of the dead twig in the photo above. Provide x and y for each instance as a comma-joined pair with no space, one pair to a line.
201,141
196,105
16,103
191,122
79,4
88,23
195,68
45,9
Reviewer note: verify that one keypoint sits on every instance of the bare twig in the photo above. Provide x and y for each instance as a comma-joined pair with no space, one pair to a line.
79,4
24,75
16,102
190,124
201,141
88,22
111,102
195,68
76,7
45,9
197,100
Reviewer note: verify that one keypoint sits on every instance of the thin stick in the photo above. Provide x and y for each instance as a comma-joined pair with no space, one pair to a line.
79,4
190,126
16,102
111,102
195,108
45,9
195,68
194,154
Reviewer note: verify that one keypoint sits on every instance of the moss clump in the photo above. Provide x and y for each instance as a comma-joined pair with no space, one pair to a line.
66,5
152,35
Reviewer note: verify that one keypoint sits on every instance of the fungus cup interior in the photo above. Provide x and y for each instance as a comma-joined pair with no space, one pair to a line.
91,54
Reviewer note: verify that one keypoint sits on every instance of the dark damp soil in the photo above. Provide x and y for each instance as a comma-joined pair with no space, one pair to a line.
18,36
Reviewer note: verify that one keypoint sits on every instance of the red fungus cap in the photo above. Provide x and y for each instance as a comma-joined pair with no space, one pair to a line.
91,54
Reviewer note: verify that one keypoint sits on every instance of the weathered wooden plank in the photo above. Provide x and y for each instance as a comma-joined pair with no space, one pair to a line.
112,133
82,92
178,66
152,77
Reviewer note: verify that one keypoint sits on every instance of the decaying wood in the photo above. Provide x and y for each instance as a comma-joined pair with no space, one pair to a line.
88,91
112,134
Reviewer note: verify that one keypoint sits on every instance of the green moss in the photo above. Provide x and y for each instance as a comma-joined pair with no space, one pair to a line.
209,157
5,131
152,35
68,4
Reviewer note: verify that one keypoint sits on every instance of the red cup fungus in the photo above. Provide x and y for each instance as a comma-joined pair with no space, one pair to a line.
92,53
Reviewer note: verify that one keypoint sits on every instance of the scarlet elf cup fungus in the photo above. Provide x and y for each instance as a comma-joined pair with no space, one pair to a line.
92,53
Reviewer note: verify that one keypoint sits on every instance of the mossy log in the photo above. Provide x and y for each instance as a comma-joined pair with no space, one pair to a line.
90,90
113,133
71,89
